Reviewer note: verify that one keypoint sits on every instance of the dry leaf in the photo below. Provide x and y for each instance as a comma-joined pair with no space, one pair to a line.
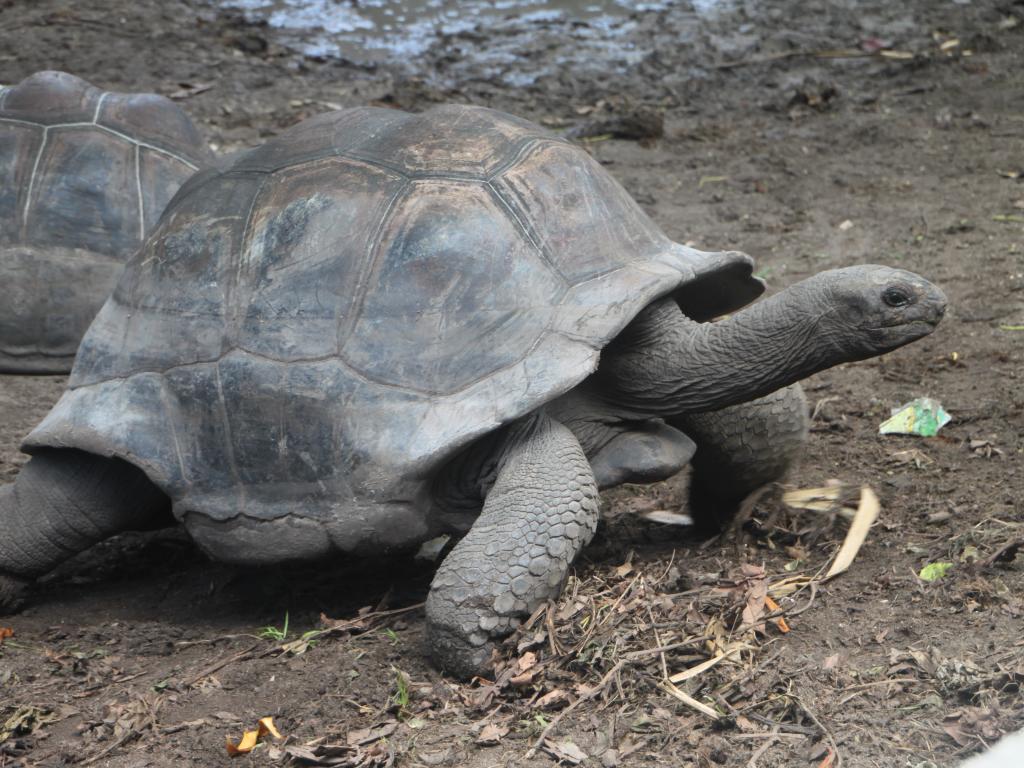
704,666
188,90
553,700
5,632
372,734
491,734
773,606
267,726
867,513
822,499
688,700
26,720
249,740
566,751
667,518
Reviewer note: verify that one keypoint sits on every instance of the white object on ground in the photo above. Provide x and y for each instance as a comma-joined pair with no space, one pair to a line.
1007,753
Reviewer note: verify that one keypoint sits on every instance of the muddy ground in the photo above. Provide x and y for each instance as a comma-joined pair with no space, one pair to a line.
814,135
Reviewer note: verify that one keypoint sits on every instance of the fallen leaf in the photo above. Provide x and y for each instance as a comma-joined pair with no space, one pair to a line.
187,90
704,666
372,734
567,751
491,734
867,513
667,518
249,739
688,700
267,726
25,720
264,726
912,456
773,606
934,571
553,700
822,499
323,754
5,632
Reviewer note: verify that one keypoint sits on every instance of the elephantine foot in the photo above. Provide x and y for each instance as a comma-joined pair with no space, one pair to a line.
459,655
13,593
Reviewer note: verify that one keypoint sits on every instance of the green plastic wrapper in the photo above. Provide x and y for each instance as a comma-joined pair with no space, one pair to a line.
923,416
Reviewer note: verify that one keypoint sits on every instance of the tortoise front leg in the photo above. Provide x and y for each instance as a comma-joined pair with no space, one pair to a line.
63,502
540,512
740,449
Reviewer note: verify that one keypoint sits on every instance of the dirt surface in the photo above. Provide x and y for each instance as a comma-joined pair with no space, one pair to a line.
814,135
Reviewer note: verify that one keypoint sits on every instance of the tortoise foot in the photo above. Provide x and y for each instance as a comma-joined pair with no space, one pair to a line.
13,593
459,655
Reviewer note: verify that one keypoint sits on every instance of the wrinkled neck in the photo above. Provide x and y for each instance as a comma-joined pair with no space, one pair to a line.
664,363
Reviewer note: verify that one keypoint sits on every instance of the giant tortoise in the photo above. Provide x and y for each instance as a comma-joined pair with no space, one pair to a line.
84,175
379,327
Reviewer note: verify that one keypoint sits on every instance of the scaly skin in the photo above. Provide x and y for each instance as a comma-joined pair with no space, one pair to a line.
541,511
62,503
740,449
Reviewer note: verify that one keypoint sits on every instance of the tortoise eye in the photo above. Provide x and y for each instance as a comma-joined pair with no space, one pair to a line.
896,297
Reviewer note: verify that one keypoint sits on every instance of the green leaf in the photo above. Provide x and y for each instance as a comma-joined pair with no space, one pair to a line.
934,571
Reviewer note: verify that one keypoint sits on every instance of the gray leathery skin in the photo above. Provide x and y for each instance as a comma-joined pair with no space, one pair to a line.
84,174
64,502
647,453
665,363
740,449
540,512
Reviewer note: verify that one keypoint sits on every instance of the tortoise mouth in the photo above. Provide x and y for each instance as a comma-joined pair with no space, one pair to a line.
898,334
930,322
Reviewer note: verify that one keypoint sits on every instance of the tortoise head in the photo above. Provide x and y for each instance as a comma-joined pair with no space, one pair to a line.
870,309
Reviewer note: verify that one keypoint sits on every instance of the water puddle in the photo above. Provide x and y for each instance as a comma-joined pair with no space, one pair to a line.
512,41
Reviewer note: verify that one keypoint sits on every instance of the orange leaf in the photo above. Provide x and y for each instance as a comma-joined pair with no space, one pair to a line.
5,632
249,739
779,622
267,726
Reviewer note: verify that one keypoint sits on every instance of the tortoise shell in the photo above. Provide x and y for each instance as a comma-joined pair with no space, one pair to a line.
84,175
315,329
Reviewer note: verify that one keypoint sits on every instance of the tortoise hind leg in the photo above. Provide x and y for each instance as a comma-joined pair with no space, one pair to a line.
538,515
740,449
63,502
